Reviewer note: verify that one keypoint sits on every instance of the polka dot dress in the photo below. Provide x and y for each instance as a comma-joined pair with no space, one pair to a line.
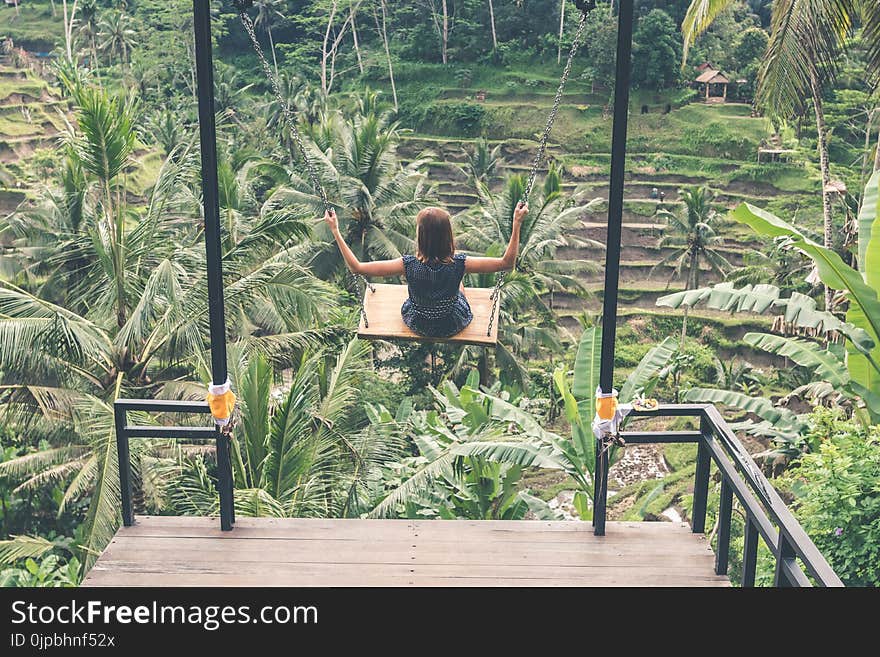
436,307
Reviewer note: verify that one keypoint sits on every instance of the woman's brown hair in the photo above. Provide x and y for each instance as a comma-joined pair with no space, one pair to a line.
434,240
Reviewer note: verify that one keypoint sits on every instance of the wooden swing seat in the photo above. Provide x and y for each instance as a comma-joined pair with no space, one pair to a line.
383,313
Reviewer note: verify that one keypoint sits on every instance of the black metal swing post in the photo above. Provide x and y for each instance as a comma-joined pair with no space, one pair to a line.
612,244
211,204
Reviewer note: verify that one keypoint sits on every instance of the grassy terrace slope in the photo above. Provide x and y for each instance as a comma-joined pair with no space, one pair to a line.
29,120
32,116
693,144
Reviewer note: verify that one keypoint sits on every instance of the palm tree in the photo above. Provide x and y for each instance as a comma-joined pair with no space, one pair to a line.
376,197
302,449
777,263
267,12
166,129
104,145
117,307
550,225
692,240
227,87
117,35
806,42
481,163
304,101
527,319
90,27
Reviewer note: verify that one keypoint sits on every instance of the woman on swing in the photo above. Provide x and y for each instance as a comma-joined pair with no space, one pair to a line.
436,306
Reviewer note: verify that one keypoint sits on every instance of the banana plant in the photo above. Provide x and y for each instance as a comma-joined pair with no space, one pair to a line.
580,399
854,373
478,425
861,287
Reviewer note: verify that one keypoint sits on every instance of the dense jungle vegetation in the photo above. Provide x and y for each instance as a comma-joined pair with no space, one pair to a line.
750,282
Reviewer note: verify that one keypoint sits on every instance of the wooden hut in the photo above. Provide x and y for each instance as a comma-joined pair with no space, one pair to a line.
713,85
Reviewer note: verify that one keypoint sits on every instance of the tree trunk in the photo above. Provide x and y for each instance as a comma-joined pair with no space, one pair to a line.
877,152
324,52
272,47
483,367
822,140
384,32
684,325
445,37
492,23
561,30
68,27
334,50
867,149
354,34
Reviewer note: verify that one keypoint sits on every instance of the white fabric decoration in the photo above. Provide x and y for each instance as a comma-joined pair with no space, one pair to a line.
604,428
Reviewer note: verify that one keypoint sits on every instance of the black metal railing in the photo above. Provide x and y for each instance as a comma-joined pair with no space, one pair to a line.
766,514
125,432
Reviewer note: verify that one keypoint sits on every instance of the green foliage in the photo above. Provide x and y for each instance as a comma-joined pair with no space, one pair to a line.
472,446
837,496
47,572
693,238
862,292
656,51
749,47
452,118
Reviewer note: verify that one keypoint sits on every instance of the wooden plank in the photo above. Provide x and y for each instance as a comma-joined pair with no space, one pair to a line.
267,580
264,546
211,523
286,568
382,308
454,530
188,551
282,554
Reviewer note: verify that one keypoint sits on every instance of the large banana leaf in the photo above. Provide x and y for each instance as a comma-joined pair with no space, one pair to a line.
864,308
724,296
798,310
833,271
642,379
868,216
826,364
763,408
587,364
525,454
864,372
581,436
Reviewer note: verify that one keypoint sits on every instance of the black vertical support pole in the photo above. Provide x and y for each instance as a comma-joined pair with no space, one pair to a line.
701,479
124,457
224,481
612,242
786,552
725,509
211,204
750,552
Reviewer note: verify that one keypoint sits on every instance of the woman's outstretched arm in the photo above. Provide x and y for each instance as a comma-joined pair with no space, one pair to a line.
376,268
505,262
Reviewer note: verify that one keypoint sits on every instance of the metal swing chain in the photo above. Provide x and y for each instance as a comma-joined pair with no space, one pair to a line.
496,294
542,147
290,122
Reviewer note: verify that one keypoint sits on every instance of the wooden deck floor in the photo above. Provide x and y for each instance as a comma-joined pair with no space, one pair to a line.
187,551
